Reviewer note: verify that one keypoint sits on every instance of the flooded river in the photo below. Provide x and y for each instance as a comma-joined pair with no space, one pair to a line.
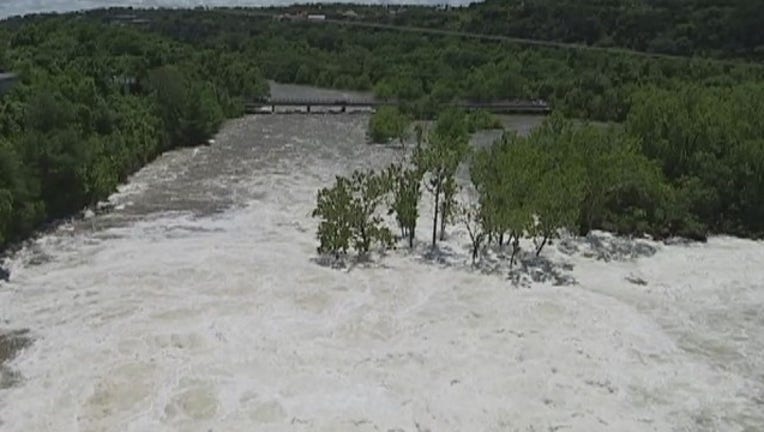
196,305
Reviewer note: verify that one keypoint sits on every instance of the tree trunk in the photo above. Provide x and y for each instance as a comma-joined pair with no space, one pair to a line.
364,241
543,243
501,240
443,213
411,238
435,215
477,242
515,248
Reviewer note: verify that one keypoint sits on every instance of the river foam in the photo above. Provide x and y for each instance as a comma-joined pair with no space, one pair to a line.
196,305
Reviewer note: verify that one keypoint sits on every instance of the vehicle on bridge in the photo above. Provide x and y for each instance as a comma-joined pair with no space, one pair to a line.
7,80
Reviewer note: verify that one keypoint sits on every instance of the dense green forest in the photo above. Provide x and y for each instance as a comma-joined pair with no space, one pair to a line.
711,28
100,96
94,104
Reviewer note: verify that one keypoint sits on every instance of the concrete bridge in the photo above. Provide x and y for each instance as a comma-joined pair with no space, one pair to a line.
360,104
6,81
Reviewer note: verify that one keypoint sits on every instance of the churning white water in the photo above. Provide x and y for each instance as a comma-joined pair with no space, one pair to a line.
196,305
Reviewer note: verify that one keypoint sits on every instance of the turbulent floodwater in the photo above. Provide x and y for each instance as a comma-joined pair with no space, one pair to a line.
196,305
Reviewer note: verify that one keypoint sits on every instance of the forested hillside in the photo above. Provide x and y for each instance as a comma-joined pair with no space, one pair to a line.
717,28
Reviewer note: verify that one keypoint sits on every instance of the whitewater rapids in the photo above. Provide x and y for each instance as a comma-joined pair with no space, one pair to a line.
196,305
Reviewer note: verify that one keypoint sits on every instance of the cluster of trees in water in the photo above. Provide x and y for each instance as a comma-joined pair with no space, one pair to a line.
686,163
97,101
391,123
350,209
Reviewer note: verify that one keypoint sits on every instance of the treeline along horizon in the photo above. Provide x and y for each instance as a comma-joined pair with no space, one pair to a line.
97,101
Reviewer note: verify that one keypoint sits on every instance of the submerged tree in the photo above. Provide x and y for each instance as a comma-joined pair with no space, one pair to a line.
450,188
405,184
557,202
620,189
368,191
526,189
349,218
333,207
447,146
472,217
506,178
387,123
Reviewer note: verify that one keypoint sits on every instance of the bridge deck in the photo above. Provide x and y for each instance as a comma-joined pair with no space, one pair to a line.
493,106
321,102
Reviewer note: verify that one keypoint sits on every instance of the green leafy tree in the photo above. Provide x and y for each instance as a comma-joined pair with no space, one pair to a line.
621,190
708,139
521,164
506,177
557,195
482,120
447,146
406,190
471,216
448,203
201,117
387,123
368,191
349,214
334,206
168,85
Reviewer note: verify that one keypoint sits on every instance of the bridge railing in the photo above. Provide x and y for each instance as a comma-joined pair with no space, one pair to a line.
319,101
496,106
